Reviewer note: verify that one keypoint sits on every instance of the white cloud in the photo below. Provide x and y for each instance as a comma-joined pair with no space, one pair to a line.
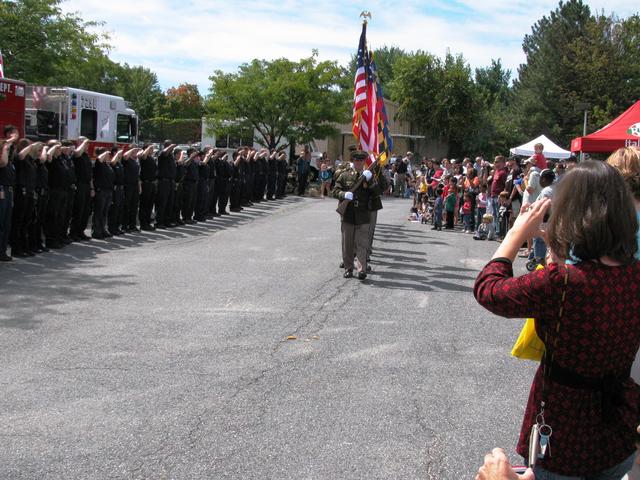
186,41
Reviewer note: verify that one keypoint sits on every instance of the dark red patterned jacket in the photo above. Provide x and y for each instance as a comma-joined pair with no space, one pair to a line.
599,335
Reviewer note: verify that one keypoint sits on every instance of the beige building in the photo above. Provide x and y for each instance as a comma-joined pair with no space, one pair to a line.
404,135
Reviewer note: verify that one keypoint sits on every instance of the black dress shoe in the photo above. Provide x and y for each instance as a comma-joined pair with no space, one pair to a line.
134,230
369,269
5,258
348,274
362,275
18,253
146,228
98,236
160,226
84,238
341,264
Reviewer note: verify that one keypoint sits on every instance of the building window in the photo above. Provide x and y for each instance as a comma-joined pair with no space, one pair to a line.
88,123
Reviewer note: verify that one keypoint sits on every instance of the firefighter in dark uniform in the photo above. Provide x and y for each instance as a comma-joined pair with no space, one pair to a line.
67,157
166,186
117,205
42,196
237,182
204,172
212,205
84,191
178,202
272,175
148,181
131,168
356,219
103,177
248,174
224,177
23,198
190,185
260,175
58,194
283,171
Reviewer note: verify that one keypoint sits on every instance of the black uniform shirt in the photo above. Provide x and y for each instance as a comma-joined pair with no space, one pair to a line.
181,170
42,177
103,176
203,171
118,174
131,171
71,171
26,173
148,169
8,172
272,166
192,172
83,168
166,166
58,173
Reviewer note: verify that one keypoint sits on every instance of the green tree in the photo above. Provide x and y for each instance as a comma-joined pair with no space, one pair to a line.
139,85
385,59
281,99
41,45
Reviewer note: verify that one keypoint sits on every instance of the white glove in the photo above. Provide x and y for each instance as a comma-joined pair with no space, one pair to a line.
367,174
348,195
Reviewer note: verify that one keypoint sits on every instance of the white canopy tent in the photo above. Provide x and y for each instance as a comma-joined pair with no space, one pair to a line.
551,150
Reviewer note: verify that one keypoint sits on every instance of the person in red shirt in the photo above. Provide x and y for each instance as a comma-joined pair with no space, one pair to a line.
538,156
588,315
497,180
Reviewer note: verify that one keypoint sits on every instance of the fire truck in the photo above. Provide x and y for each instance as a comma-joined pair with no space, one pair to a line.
69,113
12,104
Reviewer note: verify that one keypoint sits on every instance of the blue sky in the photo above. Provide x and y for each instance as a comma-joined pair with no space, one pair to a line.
185,41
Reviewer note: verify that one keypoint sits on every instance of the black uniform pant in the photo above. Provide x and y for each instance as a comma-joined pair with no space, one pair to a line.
272,185
164,201
68,213
147,198
282,184
247,190
178,203
101,203
37,226
189,196
202,203
258,187
302,183
22,218
56,212
116,210
6,211
81,209
213,196
131,200
222,192
235,197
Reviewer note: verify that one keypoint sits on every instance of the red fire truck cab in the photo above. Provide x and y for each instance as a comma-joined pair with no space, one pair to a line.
12,104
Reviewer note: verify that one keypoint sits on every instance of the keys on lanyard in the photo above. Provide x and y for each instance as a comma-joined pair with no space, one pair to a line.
539,441
545,440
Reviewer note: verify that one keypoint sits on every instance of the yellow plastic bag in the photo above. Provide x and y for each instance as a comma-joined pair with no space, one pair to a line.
528,345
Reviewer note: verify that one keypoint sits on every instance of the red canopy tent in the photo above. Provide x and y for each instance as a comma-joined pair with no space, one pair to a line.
624,131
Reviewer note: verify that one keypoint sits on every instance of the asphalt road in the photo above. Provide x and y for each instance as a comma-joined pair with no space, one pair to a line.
165,355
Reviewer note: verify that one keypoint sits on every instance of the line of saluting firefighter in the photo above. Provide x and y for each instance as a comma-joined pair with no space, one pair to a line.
56,187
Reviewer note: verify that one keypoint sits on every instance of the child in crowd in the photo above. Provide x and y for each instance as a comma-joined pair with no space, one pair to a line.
481,204
538,157
467,212
486,230
450,203
438,207
325,180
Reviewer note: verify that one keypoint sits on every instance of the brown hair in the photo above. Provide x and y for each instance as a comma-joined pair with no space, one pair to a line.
594,215
627,161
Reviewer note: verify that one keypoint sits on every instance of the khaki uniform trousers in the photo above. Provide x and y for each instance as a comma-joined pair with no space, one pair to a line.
373,216
355,239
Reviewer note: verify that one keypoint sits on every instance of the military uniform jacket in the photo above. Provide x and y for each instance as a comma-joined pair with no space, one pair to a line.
357,212
377,189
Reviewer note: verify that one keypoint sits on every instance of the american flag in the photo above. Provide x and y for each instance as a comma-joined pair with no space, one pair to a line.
1,65
364,124
385,142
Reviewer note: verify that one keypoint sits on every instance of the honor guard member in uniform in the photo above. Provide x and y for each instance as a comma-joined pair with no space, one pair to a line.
68,148
224,173
178,200
58,194
260,175
42,196
84,189
148,181
166,185
237,182
272,175
131,190
375,203
190,185
103,183
212,205
283,171
117,205
23,198
355,221
202,201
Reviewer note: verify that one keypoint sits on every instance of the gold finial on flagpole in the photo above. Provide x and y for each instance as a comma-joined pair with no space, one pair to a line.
364,15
